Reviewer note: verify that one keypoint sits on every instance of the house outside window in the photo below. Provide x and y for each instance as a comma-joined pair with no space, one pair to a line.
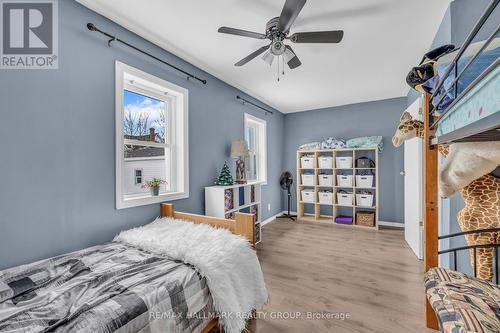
151,138
256,138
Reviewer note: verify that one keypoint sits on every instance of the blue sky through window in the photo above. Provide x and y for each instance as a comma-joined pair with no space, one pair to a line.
142,113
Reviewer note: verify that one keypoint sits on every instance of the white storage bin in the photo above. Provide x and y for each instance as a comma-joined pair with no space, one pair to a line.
364,181
344,181
325,162
325,198
307,162
308,180
344,199
308,196
364,200
344,162
325,180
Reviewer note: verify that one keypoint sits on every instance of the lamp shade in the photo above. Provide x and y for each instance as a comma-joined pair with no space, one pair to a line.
268,57
239,148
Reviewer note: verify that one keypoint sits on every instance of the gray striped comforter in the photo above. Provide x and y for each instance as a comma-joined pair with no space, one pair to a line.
108,288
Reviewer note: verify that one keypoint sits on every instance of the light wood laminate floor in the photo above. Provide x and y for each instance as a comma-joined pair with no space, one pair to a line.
310,267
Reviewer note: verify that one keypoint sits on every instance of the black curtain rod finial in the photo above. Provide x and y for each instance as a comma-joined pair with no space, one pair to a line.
91,27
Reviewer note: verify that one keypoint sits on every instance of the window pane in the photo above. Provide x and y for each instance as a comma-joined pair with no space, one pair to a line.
252,167
251,164
250,138
145,118
151,162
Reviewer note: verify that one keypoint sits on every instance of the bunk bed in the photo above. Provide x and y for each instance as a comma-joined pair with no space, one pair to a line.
463,107
469,88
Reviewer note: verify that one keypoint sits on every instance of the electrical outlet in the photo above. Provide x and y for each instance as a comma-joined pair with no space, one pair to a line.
268,207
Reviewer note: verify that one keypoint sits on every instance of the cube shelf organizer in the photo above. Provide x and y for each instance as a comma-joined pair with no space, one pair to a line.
224,201
339,186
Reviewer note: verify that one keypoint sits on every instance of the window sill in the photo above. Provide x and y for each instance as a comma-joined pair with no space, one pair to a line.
257,182
150,200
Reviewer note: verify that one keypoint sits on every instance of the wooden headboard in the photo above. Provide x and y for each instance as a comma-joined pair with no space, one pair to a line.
242,224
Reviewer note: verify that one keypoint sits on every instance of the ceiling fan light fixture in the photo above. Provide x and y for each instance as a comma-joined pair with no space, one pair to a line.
268,57
289,55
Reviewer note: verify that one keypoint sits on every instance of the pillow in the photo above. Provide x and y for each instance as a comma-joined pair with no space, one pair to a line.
366,142
331,143
310,146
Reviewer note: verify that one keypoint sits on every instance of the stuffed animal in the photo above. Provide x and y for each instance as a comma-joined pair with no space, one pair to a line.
466,169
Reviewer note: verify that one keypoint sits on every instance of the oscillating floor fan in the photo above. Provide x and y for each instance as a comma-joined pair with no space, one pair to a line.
286,181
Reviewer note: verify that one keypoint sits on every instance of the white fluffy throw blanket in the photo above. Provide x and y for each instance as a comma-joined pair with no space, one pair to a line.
228,262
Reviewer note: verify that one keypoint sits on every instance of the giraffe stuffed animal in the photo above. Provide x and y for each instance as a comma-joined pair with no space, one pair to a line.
479,190
464,163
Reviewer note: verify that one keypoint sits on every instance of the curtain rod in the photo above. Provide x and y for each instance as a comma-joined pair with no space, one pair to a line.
92,27
251,103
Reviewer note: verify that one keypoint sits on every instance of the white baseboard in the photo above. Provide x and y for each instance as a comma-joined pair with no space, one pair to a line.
272,218
391,224
382,223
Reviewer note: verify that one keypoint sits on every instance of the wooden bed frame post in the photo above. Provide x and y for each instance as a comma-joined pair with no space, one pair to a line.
166,210
431,216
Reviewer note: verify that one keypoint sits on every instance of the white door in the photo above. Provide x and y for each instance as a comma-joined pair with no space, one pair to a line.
413,188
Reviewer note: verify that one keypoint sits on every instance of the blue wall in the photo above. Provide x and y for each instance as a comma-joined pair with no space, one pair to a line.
349,121
57,133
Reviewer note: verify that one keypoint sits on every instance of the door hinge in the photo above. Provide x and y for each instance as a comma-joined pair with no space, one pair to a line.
421,223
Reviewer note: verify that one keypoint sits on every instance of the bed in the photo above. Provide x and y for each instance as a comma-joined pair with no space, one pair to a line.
115,287
481,102
463,303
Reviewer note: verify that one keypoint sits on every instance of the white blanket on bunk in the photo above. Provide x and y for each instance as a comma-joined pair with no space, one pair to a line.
228,262
466,162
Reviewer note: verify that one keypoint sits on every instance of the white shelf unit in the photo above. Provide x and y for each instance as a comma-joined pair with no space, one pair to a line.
327,212
224,201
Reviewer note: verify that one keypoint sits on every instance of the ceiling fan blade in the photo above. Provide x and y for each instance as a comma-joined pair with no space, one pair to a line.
291,58
289,13
318,37
240,32
251,56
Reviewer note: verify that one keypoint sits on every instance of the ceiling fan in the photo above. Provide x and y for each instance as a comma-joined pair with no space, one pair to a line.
277,30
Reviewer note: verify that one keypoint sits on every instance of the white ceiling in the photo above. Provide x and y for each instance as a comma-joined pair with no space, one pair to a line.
383,39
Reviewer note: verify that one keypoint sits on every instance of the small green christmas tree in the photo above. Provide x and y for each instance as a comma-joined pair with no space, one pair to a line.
225,177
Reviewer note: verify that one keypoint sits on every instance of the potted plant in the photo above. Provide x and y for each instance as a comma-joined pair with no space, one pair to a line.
154,185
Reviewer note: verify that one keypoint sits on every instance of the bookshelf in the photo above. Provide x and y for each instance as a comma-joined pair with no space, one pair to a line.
315,205
224,201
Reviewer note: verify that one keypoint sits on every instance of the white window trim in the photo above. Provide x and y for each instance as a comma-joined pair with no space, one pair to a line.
179,140
262,144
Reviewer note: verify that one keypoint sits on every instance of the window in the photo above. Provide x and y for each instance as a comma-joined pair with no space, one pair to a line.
151,138
138,176
256,138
